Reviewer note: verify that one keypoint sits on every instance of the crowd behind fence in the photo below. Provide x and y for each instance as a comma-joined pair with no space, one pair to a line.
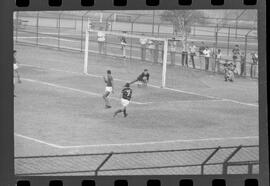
199,161
67,32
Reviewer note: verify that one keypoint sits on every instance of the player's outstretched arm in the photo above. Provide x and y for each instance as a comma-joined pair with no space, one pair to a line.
112,86
104,78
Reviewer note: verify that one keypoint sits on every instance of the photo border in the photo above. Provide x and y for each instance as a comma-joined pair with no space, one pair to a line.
7,177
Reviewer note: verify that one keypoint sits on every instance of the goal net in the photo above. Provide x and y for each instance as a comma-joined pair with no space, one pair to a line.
144,51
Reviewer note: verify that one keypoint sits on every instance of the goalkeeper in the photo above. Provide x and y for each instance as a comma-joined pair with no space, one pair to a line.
143,78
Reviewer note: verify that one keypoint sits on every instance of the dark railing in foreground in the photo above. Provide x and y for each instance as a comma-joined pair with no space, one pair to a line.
248,159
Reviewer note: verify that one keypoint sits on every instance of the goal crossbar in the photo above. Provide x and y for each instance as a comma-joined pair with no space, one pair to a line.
128,35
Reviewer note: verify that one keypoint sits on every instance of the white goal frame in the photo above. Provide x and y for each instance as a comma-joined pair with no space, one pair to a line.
165,48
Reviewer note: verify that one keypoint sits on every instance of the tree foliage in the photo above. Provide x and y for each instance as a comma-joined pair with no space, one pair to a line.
182,20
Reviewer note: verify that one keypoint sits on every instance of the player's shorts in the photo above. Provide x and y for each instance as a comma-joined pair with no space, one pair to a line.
15,66
124,102
108,89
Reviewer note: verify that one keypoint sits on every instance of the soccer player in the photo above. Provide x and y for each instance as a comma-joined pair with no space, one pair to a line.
143,78
229,68
15,67
126,96
108,89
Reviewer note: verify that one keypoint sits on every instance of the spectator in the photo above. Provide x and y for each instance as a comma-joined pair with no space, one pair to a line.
173,45
201,49
151,46
229,71
184,57
143,42
192,50
236,61
101,41
243,63
207,54
156,51
218,56
236,53
123,46
254,64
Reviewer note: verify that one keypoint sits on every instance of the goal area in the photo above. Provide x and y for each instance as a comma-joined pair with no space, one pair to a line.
142,44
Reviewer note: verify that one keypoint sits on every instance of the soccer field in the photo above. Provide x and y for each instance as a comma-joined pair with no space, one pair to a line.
58,110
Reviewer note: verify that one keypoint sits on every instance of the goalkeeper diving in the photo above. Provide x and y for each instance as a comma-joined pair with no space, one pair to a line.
143,78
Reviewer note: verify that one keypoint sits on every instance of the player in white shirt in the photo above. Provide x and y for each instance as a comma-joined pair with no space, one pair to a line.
15,69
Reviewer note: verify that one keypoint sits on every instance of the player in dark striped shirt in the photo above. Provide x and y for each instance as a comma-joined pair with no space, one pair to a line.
143,78
126,96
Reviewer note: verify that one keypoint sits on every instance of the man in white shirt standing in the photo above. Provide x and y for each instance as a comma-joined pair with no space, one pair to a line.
101,41
192,50
143,42
173,45
207,53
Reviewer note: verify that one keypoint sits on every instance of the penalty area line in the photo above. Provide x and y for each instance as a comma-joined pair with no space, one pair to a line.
134,144
76,90
154,86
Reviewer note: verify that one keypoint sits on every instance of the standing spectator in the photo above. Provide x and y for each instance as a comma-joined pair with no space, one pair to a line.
184,57
207,54
173,45
236,54
218,59
101,41
123,46
192,50
143,42
254,64
243,63
151,46
201,49
156,51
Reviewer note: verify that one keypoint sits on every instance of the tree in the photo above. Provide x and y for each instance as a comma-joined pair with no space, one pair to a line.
182,21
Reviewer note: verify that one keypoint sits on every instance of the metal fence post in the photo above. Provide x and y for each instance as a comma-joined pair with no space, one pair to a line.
37,25
228,42
225,163
153,22
131,42
250,168
17,24
59,26
245,62
102,163
82,23
207,159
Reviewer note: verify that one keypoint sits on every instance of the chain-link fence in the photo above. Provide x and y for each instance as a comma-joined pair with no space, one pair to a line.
200,161
66,30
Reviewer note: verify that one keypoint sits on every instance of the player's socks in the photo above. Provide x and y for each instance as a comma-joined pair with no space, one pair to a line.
108,106
125,113
116,112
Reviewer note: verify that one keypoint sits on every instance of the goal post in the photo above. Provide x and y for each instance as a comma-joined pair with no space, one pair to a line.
116,35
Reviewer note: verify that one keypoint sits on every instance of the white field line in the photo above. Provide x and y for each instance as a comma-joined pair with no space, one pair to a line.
135,144
154,86
76,90
37,141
